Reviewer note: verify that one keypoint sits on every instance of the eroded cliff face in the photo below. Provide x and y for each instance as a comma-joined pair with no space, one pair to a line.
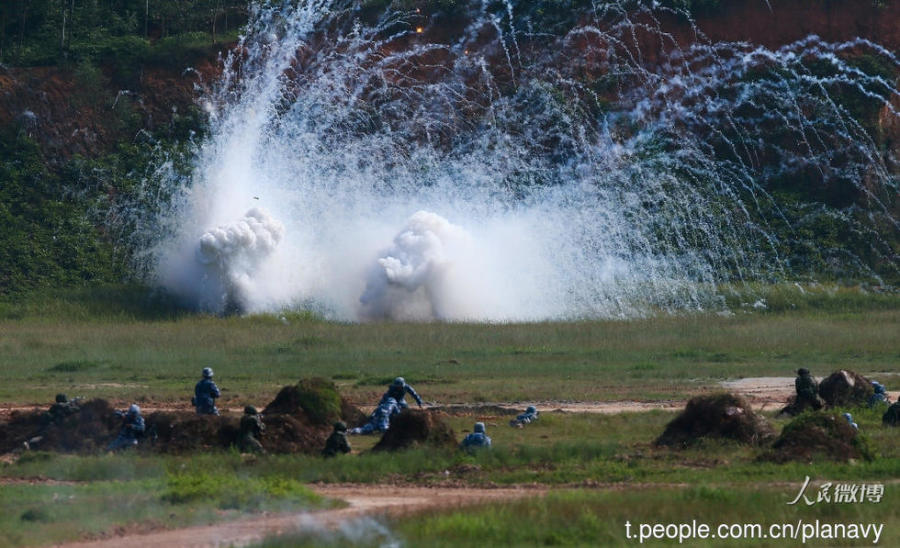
71,112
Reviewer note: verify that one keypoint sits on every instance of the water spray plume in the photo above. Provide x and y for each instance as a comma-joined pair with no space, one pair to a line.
504,174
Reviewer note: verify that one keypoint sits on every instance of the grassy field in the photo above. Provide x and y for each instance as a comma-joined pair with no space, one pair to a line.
598,518
118,350
605,467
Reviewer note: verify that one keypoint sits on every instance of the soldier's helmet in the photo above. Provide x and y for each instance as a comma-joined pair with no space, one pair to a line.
479,428
61,398
207,372
879,388
399,381
848,416
250,410
134,409
531,409
340,426
803,371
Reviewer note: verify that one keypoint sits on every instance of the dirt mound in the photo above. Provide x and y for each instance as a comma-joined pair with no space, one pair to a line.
182,432
298,420
716,416
314,400
845,388
413,427
286,434
824,435
92,427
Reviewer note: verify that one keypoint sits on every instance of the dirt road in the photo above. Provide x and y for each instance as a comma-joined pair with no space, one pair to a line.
363,500
763,393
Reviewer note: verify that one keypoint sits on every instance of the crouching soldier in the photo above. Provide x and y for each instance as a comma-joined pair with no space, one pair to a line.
132,427
478,439
891,417
879,396
807,394
252,428
529,416
337,441
61,409
205,394
380,419
398,390
57,414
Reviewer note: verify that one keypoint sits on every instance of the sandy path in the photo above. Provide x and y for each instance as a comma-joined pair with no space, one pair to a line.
763,393
363,500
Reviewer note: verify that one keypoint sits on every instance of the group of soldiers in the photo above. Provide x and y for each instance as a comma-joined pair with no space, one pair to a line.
808,398
392,403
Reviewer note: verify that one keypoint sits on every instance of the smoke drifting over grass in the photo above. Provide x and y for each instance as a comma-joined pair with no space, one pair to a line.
506,174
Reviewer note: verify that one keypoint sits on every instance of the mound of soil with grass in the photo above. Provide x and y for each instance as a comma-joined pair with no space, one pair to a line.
92,427
716,416
416,427
298,420
821,435
315,401
846,388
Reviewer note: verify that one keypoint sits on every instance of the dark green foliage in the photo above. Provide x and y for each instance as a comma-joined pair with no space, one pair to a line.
73,366
47,237
42,32
35,514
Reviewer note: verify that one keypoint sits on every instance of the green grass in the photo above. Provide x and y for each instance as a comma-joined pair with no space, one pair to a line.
134,494
131,345
612,453
598,518
134,345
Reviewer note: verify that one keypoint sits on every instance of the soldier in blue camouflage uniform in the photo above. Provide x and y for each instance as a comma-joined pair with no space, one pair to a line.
380,419
477,439
880,395
205,394
398,390
529,416
849,418
132,427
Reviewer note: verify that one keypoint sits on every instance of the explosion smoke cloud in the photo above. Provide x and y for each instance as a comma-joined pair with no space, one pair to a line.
537,199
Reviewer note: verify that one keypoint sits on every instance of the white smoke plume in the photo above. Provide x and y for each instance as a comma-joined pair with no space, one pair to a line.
231,255
414,279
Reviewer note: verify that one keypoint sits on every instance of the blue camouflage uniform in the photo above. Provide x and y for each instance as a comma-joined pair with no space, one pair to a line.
477,439
380,419
205,394
132,426
529,416
880,395
398,390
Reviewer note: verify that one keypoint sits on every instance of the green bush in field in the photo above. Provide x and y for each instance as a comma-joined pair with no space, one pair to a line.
230,491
